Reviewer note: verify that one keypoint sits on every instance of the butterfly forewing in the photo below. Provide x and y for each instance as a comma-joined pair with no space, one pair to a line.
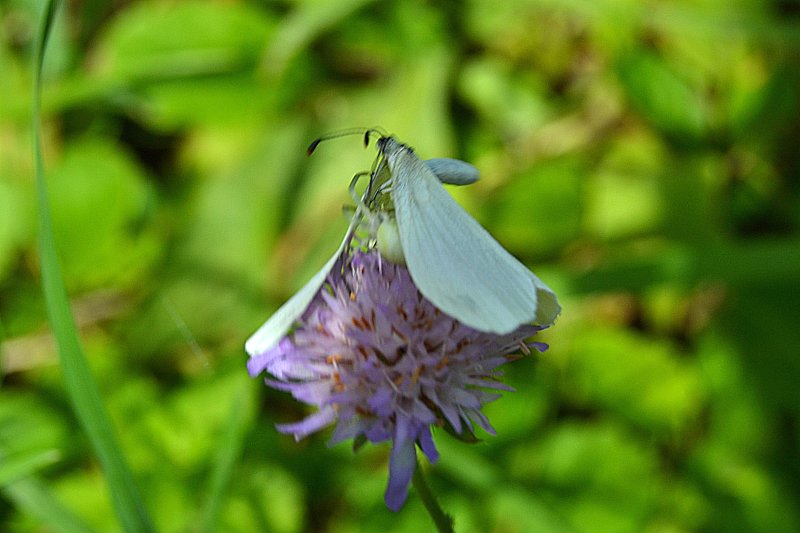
453,260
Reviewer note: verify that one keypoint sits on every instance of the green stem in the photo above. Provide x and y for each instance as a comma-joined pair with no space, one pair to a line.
443,521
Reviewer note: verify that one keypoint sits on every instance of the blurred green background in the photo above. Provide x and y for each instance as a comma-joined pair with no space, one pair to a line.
641,157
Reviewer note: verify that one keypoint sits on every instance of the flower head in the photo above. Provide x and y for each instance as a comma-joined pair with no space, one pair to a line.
382,363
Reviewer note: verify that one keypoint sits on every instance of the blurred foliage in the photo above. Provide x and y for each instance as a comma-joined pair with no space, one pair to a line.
641,157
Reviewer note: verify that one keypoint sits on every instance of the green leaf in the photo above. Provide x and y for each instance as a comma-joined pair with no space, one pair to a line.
514,103
151,40
302,26
662,97
639,378
761,320
100,201
540,209
597,470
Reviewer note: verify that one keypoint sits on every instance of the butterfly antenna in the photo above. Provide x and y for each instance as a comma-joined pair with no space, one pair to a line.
367,132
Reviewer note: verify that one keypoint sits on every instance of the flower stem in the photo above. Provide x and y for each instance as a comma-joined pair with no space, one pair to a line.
443,521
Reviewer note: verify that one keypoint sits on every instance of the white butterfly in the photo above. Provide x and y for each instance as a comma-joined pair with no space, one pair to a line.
453,261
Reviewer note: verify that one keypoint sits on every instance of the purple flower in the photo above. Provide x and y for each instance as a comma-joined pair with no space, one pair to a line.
384,364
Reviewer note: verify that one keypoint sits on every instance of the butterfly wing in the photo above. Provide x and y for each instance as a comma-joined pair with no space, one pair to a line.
454,261
453,171
268,335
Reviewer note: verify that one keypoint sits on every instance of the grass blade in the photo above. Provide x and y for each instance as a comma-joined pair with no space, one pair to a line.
80,385
17,466
18,484
36,500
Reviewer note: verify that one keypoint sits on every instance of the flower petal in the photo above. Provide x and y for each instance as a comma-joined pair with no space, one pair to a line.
425,440
346,429
539,346
402,462
309,424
